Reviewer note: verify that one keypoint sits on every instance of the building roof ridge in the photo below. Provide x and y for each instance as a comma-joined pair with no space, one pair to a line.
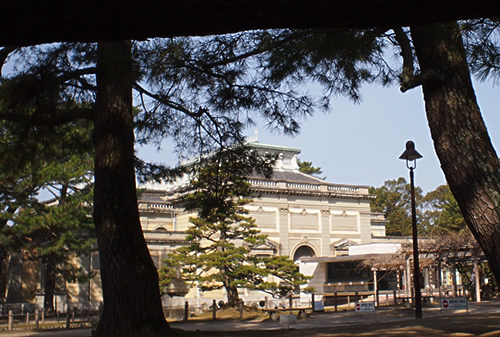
322,181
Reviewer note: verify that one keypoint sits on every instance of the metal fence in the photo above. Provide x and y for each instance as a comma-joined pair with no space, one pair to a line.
17,308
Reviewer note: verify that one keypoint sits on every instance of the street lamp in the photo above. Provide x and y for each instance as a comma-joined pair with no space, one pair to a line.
411,155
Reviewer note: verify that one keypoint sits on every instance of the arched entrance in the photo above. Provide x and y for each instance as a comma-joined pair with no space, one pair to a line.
303,251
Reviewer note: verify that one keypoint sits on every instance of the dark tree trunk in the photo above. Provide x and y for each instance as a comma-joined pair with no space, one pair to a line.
467,157
132,304
50,286
233,298
3,282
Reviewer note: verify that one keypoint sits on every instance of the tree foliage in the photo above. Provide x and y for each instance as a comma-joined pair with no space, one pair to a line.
393,199
57,230
437,211
482,39
442,212
308,168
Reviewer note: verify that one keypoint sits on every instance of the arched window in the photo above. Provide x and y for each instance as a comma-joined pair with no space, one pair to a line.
303,251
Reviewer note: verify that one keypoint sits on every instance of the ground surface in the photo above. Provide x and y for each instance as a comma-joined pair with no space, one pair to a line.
458,325
483,319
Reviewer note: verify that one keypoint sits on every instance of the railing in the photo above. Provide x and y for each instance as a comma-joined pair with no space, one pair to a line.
306,186
303,186
333,287
176,235
263,182
17,308
26,316
155,206
343,188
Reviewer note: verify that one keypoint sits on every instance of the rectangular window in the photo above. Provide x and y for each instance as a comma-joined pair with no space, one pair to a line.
348,272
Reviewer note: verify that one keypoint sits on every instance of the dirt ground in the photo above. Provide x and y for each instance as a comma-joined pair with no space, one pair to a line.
483,324
481,320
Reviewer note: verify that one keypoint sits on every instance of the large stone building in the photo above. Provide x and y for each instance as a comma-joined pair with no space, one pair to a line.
327,228
303,216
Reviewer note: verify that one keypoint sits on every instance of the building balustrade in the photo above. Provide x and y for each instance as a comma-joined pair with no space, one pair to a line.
343,189
155,206
263,182
165,235
303,186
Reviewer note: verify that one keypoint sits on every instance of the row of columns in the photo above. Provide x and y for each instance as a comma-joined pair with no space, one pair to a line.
428,275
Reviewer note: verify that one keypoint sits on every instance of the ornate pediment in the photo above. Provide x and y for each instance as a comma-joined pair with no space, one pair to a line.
267,248
343,244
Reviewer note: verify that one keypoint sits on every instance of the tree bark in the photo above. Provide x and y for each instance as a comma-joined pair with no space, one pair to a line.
233,298
34,22
467,157
50,286
132,304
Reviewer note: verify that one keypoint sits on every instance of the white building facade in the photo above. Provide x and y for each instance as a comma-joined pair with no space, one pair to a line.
302,216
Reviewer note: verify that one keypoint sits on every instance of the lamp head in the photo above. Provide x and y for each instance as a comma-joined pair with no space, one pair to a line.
410,153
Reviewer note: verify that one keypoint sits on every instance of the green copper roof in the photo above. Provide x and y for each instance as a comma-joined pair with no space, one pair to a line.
273,147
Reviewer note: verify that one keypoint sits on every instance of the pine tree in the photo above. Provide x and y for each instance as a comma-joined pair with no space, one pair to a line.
308,168
222,235
55,231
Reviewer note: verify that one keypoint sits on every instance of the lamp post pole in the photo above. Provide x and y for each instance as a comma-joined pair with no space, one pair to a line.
416,263
411,155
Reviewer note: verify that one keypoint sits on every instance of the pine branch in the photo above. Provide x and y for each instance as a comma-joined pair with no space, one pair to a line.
57,117
406,54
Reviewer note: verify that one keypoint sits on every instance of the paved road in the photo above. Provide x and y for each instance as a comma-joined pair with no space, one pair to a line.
482,318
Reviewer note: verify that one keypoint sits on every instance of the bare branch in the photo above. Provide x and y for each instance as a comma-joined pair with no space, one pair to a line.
407,55
167,102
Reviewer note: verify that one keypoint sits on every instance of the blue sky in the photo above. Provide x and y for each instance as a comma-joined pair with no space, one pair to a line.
360,144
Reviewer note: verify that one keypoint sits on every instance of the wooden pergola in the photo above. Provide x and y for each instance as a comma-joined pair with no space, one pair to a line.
434,253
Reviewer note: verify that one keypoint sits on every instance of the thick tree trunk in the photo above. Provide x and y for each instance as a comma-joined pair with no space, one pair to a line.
50,286
233,298
132,305
468,159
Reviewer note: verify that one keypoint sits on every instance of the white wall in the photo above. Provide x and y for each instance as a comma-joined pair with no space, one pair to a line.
374,248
